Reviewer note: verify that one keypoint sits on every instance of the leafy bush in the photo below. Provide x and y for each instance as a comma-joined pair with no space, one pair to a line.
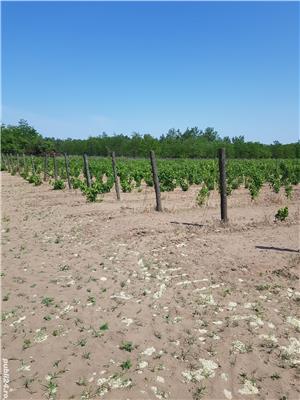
59,184
93,191
77,183
255,184
126,185
202,196
184,184
35,179
24,175
282,214
276,184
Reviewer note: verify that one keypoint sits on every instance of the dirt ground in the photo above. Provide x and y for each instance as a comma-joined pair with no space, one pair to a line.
114,300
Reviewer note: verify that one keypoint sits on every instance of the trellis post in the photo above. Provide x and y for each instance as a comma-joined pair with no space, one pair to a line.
87,170
223,189
155,181
114,167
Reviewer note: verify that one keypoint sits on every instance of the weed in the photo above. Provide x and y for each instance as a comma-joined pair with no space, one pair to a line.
81,342
26,344
55,364
48,301
275,376
126,365
92,300
263,286
81,382
199,393
51,388
104,327
127,346
27,384
64,268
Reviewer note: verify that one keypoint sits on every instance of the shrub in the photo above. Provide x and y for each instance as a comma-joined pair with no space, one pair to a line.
35,179
184,184
59,184
282,214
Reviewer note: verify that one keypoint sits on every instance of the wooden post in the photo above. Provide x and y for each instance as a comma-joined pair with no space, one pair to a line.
117,186
156,181
55,168
67,170
33,166
45,167
87,170
223,193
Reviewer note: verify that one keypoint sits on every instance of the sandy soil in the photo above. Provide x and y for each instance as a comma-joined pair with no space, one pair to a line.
114,300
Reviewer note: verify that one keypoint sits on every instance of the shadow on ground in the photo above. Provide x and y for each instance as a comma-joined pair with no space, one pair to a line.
277,249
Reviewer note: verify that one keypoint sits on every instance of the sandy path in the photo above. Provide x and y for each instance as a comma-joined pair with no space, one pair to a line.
201,310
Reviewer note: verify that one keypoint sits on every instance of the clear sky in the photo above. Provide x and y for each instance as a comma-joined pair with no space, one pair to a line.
75,69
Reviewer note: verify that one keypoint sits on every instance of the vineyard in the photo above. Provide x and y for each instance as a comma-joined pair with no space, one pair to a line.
135,174
108,299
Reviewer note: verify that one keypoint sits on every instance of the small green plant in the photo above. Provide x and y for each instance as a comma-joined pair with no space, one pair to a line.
64,267
276,185
288,191
126,185
48,301
184,184
91,194
35,179
24,175
282,214
104,327
202,195
77,183
199,393
126,365
59,184
86,355
127,346
81,342
26,344
92,300
275,376
51,388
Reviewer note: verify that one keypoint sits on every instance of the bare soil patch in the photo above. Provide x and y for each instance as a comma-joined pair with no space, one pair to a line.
115,300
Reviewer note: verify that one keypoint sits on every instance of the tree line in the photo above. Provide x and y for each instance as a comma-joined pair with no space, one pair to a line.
192,143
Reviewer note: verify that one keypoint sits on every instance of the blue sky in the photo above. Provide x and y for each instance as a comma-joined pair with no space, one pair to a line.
75,69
